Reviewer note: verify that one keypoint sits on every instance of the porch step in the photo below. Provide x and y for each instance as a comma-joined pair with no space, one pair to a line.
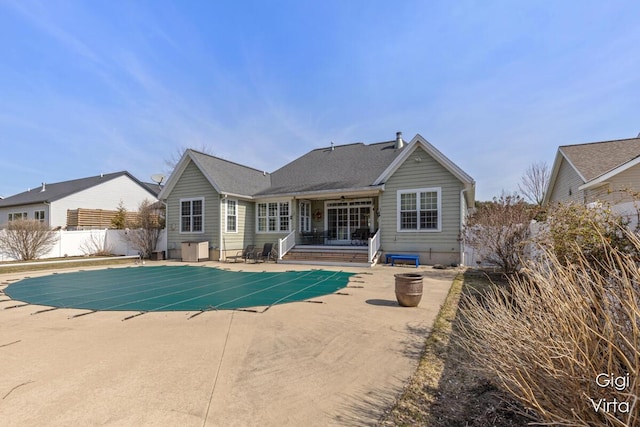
328,256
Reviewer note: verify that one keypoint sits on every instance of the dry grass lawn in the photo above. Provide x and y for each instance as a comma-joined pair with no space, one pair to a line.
445,390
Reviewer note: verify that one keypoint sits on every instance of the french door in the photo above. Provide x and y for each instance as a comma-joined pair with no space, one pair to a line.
345,217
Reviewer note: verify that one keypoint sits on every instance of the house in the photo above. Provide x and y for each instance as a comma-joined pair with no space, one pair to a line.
357,199
607,171
51,202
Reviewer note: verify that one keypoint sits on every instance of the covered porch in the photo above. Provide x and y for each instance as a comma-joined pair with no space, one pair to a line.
340,230
337,221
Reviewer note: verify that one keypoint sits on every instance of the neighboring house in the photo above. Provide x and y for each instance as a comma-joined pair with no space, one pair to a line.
50,202
390,196
607,171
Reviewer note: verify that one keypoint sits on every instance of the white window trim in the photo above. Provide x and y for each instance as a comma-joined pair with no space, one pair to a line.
191,199
417,191
226,216
278,231
308,217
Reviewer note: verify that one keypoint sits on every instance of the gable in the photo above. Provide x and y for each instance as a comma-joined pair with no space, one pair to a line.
440,159
565,182
223,176
418,168
192,184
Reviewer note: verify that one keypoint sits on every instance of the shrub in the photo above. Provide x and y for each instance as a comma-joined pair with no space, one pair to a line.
119,221
27,239
574,231
145,231
499,231
559,333
96,244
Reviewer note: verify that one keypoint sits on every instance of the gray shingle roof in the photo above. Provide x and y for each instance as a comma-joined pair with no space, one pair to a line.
597,158
346,166
58,190
232,177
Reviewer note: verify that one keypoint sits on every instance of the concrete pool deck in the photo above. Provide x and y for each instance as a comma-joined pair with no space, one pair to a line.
339,362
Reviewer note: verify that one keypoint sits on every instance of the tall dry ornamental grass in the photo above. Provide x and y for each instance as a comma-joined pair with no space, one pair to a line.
564,340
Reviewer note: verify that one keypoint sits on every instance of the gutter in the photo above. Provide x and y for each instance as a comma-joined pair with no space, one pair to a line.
339,191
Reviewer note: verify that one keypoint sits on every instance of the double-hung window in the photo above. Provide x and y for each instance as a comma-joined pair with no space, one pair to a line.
17,216
305,217
39,215
273,217
419,210
192,215
232,216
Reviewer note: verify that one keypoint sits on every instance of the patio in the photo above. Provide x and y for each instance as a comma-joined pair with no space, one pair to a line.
340,360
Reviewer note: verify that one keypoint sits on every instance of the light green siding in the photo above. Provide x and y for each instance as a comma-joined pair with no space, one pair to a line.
618,189
233,242
192,184
434,247
566,185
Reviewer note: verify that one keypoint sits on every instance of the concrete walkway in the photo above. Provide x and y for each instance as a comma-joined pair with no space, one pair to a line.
339,362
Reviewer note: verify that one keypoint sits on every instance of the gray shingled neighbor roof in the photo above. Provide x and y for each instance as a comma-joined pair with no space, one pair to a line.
232,177
58,190
597,158
343,167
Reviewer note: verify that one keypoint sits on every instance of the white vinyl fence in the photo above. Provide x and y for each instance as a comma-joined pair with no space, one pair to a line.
477,258
81,242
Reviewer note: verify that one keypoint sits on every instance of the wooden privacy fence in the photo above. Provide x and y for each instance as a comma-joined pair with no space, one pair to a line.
80,218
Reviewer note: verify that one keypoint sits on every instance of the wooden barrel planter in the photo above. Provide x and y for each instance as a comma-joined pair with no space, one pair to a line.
408,289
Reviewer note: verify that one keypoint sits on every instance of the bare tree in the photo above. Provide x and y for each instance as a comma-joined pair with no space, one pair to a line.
27,239
499,230
534,182
171,162
145,231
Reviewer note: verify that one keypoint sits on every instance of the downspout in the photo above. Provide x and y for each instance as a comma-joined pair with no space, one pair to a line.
462,215
224,197
166,228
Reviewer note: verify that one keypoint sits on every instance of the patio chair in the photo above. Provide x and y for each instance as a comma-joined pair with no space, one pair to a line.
360,236
247,253
266,254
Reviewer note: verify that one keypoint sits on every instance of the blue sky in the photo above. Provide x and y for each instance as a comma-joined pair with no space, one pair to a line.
101,86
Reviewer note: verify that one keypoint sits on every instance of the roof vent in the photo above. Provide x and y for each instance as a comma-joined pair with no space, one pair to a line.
44,188
399,141
332,146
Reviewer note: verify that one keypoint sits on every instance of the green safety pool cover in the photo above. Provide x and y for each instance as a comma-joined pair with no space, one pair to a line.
174,288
